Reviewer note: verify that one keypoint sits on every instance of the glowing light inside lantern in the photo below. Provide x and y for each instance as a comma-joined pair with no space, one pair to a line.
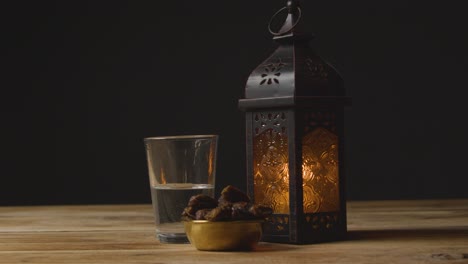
320,171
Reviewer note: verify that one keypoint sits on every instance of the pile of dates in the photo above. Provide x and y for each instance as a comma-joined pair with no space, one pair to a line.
232,205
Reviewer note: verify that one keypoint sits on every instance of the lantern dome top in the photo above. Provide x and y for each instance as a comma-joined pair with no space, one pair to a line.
294,70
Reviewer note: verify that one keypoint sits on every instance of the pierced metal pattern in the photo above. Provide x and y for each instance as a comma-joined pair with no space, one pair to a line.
317,69
275,121
270,161
325,119
320,164
322,221
272,72
277,224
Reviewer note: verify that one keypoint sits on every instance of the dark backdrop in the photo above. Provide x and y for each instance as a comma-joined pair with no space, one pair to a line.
83,82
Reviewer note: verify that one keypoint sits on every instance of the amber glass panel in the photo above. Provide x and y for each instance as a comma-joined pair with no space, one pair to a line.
271,177
320,171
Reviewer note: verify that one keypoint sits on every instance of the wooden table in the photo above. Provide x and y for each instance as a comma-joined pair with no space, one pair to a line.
379,232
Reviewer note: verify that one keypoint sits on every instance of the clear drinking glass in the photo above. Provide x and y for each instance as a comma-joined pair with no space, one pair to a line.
179,167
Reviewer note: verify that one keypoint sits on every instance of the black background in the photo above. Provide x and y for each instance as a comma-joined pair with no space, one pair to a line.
83,82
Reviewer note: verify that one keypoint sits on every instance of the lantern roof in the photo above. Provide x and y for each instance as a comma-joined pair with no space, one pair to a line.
294,71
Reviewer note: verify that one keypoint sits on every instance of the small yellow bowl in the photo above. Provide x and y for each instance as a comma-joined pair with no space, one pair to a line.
224,235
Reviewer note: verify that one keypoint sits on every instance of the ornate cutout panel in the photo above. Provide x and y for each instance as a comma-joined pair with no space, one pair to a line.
270,161
320,164
272,72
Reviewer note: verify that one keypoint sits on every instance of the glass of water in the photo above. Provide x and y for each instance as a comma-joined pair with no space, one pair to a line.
179,167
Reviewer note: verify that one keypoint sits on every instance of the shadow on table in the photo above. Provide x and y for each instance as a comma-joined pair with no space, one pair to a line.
266,247
408,234
399,235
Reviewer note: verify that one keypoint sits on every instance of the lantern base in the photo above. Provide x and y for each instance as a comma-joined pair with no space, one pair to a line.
315,228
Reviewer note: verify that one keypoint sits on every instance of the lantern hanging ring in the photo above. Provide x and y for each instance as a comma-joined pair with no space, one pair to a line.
277,13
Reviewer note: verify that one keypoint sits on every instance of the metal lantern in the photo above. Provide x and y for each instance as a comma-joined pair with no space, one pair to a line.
294,108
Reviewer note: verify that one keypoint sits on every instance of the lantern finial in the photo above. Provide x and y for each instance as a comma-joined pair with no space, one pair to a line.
291,28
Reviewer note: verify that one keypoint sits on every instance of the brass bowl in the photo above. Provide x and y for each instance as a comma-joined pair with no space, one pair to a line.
224,235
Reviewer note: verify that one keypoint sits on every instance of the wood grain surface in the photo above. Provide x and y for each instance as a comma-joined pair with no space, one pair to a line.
426,231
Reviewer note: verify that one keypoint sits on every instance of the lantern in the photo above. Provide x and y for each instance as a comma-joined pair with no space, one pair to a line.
294,110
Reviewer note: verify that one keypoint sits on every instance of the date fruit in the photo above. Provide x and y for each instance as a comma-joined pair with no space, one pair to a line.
232,205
